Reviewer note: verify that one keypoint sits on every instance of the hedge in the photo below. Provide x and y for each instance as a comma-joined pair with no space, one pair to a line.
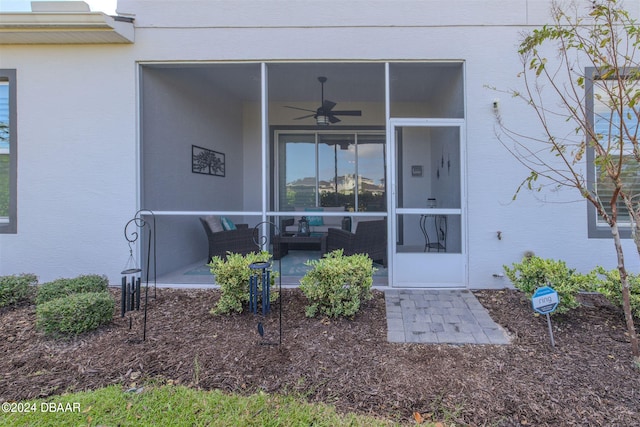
63,287
74,314
14,289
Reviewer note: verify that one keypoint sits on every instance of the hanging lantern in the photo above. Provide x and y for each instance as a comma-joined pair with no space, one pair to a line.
303,226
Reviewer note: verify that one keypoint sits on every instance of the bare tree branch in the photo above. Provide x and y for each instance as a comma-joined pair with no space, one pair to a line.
605,38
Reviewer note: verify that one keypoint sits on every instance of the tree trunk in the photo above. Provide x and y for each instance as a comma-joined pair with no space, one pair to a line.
626,300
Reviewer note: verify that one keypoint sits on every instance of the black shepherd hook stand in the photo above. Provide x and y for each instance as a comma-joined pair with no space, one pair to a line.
131,275
261,271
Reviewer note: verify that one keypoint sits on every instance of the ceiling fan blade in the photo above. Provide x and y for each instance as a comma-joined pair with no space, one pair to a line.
347,113
324,114
298,108
304,117
327,105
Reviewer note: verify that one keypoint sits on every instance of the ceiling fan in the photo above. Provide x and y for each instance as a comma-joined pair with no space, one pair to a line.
325,114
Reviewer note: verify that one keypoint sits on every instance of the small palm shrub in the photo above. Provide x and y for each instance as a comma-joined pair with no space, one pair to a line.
74,314
14,289
232,275
534,272
608,284
63,287
337,284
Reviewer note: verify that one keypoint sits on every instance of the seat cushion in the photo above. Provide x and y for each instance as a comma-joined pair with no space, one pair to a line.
227,224
314,220
214,223
334,221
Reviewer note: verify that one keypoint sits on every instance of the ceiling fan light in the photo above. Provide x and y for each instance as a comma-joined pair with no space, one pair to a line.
322,120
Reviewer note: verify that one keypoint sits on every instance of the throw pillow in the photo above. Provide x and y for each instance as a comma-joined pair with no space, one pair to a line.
227,224
214,223
314,220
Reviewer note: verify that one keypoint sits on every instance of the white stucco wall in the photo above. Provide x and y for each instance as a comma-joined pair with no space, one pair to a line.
76,184
77,121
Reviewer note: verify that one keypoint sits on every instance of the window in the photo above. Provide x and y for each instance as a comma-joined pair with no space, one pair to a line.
323,169
607,124
8,152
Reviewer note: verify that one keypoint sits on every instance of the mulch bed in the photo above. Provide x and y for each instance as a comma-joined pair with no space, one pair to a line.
587,379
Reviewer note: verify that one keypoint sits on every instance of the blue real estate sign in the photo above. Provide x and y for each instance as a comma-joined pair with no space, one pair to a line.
544,300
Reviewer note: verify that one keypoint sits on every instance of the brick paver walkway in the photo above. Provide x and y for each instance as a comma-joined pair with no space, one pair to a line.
440,316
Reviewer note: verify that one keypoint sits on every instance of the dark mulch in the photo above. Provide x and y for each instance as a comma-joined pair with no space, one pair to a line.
588,379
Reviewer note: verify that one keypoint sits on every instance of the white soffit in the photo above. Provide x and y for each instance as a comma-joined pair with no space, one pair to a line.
64,27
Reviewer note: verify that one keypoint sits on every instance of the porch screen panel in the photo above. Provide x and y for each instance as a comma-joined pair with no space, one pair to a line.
332,169
429,170
297,171
429,233
371,173
337,170
427,89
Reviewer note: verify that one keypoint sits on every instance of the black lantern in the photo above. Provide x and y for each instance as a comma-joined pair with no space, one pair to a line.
303,226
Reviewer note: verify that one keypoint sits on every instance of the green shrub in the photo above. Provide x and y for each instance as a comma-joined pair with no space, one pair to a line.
608,284
534,272
14,289
337,284
63,287
232,275
74,314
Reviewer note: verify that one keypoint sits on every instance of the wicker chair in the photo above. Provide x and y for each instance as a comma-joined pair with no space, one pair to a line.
370,238
238,241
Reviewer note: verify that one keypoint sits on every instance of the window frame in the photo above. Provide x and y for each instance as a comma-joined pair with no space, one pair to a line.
275,131
596,228
11,227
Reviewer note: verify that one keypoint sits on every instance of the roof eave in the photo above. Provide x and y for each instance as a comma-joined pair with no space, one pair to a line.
64,28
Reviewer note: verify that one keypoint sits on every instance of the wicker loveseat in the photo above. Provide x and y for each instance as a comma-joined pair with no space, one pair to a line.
238,241
370,238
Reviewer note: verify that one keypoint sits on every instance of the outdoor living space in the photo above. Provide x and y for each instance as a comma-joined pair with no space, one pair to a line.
298,180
